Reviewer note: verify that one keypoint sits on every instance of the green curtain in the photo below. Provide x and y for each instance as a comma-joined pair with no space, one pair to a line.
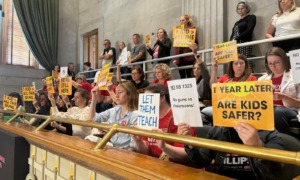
39,22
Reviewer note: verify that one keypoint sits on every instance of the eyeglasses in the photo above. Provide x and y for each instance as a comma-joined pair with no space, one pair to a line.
240,9
181,20
274,64
104,44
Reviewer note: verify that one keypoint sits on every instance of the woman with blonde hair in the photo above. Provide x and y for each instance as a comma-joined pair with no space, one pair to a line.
162,46
163,74
285,22
187,22
124,113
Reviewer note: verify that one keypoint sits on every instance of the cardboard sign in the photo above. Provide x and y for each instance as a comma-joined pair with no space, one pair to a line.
10,103
184,102
295,65
109,78
65,86
102,77
55,74
183,37
249,102
124,56
225,52
147,39
148,116
28,93
49,84
63,71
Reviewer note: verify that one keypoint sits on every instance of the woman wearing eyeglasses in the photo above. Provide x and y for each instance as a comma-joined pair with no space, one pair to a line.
286,92
243,29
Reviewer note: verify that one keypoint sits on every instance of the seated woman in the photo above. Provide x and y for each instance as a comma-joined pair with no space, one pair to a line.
285,22
286,92
200,72
163,74
238,71
81,83
158,148
42,106
124,113
64,128
243,167
80,112
137,75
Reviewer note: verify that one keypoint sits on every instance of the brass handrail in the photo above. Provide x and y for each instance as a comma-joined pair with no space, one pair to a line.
257,152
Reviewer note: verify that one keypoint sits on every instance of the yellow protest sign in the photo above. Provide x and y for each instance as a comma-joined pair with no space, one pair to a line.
65,86
183,37
249,102
10,103
102,78
28,93
109,78
147,39
50,87
55,74
225,52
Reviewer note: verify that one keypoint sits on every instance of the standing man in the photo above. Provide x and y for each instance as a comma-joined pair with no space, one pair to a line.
87,67
71,72
138,53
108,54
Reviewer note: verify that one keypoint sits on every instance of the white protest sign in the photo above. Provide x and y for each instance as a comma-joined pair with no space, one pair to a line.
63,71
123,56
184,102
148,115
295,65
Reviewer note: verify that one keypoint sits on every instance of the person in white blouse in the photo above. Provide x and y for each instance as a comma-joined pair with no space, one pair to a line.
124,113
80,112
285,22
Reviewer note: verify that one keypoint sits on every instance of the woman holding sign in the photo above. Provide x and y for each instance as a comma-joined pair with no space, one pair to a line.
80,112
124,113
159,148
187,22
238,70
286,92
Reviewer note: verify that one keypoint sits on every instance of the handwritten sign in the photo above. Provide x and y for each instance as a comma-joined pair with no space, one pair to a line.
109,78
295,65
63,71
65,86
184,102
55,74
49,84
28,93
225,52
147,39
10,103
123,56
102,77
148,116
250,102
183,37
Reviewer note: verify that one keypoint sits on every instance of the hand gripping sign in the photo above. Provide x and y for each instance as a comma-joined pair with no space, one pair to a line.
250,102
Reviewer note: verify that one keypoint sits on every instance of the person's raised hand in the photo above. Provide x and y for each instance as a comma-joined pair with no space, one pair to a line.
184,129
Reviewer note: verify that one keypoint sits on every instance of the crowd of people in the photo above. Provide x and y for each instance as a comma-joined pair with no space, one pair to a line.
119,102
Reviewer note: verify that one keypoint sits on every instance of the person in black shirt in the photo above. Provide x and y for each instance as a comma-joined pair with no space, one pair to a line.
137,75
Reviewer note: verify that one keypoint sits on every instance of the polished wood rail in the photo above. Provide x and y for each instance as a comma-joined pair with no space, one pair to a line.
257,152
111,162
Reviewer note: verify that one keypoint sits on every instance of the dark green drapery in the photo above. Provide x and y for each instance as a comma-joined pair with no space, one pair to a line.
39,22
